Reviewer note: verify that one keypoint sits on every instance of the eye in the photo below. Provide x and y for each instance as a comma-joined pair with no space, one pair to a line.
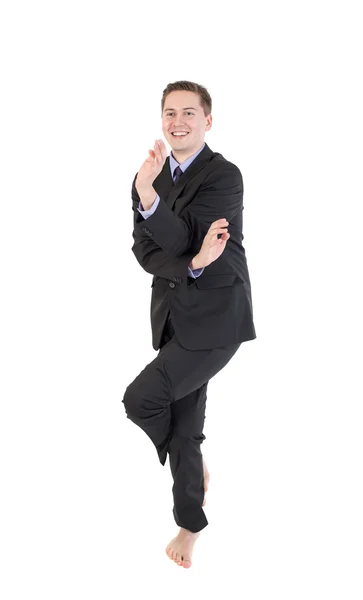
188,112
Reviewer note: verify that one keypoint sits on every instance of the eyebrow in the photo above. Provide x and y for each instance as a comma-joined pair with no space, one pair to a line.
186,108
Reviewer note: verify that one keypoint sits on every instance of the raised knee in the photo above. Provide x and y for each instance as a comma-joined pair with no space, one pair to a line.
140,402
131,401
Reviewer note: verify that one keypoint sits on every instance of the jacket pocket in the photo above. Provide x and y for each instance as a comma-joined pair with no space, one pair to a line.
215,281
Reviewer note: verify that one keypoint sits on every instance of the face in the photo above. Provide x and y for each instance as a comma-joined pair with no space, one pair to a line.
182,113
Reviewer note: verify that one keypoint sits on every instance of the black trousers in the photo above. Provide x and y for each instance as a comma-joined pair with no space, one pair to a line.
168,400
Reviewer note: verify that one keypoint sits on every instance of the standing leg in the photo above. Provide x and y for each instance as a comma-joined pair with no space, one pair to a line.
186,461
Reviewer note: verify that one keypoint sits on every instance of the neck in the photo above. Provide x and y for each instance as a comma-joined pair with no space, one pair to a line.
182,155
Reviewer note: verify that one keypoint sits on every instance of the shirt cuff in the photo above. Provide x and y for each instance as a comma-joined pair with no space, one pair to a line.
148,213
195,273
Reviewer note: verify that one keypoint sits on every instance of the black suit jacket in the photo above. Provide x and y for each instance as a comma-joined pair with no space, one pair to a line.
215,309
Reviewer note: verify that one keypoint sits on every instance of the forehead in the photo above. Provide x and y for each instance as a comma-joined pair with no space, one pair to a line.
180,100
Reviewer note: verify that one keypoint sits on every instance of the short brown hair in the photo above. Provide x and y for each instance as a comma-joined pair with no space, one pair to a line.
189,86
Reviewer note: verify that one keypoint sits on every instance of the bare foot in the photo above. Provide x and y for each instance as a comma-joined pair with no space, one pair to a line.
206,480
180,548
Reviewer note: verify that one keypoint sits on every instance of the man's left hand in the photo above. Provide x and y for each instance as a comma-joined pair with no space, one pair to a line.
151,168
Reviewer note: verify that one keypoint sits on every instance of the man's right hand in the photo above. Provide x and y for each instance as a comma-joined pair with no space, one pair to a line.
212,246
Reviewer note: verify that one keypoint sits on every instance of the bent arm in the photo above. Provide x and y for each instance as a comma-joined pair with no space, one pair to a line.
220,196
152,258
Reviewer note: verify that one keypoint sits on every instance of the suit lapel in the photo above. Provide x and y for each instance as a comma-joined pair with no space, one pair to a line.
163,184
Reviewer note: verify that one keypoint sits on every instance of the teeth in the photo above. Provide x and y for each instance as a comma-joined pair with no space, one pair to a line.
179,134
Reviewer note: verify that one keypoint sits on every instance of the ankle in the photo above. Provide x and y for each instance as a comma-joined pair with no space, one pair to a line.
188,533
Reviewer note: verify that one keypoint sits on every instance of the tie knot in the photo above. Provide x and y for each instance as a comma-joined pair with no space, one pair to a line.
177,173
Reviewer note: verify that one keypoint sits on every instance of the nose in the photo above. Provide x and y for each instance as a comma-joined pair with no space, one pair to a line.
178,120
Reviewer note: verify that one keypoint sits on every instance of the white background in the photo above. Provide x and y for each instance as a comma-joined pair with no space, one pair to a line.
86,508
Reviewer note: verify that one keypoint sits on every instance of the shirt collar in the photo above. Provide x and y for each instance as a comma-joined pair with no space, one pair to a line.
184,165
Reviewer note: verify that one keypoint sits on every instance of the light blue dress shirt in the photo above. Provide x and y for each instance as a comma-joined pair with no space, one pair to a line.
147,213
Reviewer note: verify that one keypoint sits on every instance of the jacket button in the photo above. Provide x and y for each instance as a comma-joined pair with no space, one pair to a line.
172,285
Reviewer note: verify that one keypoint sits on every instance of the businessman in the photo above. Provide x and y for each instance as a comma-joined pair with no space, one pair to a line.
187,233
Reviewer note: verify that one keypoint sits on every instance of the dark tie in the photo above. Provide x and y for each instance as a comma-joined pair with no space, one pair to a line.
177,173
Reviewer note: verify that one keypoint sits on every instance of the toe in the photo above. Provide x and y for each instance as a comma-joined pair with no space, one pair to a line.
186,563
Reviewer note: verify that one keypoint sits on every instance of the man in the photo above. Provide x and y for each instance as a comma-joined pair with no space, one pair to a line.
201,306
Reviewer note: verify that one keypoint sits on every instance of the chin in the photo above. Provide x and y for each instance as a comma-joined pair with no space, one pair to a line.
175,143
178,145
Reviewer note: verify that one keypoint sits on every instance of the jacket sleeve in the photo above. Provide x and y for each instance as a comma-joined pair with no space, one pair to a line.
220,196
159,262
152,258
146,214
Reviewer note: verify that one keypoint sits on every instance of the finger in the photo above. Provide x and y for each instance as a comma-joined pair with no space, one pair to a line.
219,223
214,232
218,243
220,229
164,151
158,155
222,240
159,147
